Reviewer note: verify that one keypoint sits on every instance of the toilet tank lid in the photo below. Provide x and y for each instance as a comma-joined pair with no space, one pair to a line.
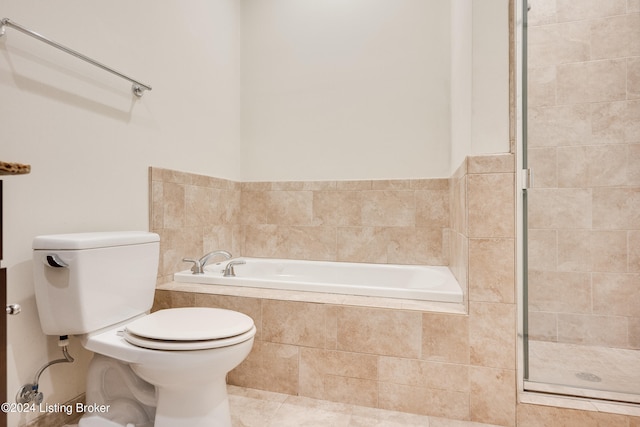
93,240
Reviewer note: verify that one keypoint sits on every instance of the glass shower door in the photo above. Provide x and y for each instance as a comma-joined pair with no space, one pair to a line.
582,229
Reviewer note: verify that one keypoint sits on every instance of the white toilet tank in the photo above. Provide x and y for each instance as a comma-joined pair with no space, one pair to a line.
88,281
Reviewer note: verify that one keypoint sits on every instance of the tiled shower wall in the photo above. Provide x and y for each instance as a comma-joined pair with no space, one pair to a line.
584,149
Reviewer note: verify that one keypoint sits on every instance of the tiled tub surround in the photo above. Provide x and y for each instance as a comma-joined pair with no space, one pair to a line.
584,148
395,222
453,362
401,357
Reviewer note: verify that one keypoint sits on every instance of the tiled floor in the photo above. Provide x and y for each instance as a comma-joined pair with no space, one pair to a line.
257,408
588,367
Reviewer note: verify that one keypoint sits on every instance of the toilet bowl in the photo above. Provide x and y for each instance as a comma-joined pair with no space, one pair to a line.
164,369
187,369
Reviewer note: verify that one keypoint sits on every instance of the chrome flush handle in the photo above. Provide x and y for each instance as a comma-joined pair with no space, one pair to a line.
14,309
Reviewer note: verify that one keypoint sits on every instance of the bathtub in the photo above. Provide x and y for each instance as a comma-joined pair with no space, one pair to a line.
380,280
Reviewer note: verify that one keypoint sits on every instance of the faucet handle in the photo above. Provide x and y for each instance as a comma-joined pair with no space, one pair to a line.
229,271
196,268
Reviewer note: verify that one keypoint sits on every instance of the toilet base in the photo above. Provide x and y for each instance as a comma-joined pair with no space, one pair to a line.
132,401
202,407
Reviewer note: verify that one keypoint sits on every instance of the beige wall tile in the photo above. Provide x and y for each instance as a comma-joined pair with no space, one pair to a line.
389,208
593,330
362,244
458,206
492,335
227,237
543,13
354,391
609,251
593,166
269,366
262,241
589,9
360,329
633,239
289,207
554,44
253,207
340,208
559,125
493,407
574,250
252,307
634,165
560,208
445,338
354,185
297,323
174,205
495,163
616,294
543,163
561,292
492,270
334,375
176,244
417,400
459,259
595,81
391,184
633,78
541,89
432,208
172,299
543,326
417,245
200,206
616,208
312,243
432,184
156,205
634,334
491,208
424,374
632,121
542,249
609,122
612,37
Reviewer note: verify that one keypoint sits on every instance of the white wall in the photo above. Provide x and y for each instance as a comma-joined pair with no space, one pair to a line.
345,90
90,142
480,78
381,108
461,80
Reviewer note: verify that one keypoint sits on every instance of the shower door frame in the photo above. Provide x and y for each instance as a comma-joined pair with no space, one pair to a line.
531,391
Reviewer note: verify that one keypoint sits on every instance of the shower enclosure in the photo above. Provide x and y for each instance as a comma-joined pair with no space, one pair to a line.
581,136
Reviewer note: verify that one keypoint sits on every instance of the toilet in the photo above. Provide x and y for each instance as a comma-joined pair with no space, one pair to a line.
164,369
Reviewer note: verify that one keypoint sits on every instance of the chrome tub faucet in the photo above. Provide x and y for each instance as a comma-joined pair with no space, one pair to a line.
198,264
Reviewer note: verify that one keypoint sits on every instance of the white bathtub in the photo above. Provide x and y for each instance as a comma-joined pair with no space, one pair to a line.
379,280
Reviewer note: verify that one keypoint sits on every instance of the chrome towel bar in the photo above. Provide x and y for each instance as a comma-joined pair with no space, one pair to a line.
137,88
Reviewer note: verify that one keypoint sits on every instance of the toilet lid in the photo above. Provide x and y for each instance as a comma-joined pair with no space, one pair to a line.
190,328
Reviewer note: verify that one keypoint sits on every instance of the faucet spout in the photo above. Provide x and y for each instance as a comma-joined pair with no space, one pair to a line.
198,264
205,259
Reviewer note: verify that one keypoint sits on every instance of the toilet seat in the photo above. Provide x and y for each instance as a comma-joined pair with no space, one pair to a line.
190,328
